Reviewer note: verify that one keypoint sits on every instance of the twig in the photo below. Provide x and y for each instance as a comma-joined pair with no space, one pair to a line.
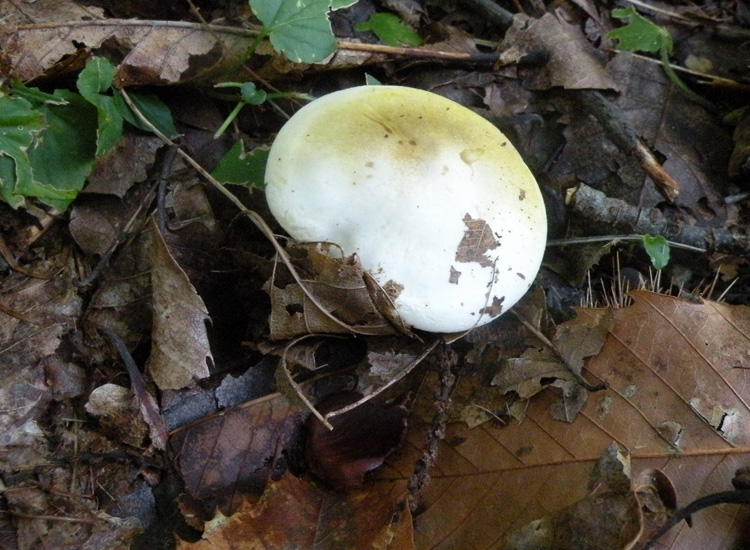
422,53
67,519
123,236
296,386
448,359
10,259
706,79
624,136
489,9
599,209
161,194
614,239
406,370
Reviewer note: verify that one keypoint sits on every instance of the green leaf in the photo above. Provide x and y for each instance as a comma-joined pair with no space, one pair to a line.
640,34
65,154
153,108
251,94
242,168
389,28
95,79
34,95
299,29
20,126
657,249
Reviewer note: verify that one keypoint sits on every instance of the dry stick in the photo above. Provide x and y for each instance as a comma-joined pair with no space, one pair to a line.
489,9
10,259
24,515
612,120
259,222
599,209
423,53
706,79
161,195
123,236
421,476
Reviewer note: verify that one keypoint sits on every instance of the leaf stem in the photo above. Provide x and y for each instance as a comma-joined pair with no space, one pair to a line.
678,82
229,119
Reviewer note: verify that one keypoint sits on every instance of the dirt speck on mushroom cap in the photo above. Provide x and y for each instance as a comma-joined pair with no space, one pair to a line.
421,188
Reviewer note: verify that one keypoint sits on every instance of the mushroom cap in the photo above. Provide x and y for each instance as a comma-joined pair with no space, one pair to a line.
435,201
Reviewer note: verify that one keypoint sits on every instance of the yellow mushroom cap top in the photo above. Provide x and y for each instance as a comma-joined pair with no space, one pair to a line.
435,201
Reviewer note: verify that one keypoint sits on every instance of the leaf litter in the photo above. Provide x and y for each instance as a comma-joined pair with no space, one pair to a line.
675,368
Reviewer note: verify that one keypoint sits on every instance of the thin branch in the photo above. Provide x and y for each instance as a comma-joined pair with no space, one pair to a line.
490,10
598,209
614,239
421,53
612,120
296,386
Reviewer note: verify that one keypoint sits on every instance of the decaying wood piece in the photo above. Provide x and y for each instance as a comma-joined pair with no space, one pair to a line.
587,203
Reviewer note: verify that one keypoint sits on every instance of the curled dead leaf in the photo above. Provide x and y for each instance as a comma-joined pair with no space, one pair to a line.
359,442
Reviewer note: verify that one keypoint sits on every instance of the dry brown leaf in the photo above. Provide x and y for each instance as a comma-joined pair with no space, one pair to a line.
179,346
23,13
338,285
118,415
98,223
609,518
155,52
36,316
678,372
123,165
294,514
234,452
669,360
573,62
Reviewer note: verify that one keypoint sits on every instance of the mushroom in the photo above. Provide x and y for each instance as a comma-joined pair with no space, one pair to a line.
434,200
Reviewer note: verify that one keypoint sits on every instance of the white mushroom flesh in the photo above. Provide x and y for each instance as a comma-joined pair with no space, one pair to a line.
435,201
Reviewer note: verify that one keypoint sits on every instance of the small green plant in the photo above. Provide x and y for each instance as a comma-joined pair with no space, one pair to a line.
49,142
251,95
390,29
242,168
641,35
657,249
300,29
